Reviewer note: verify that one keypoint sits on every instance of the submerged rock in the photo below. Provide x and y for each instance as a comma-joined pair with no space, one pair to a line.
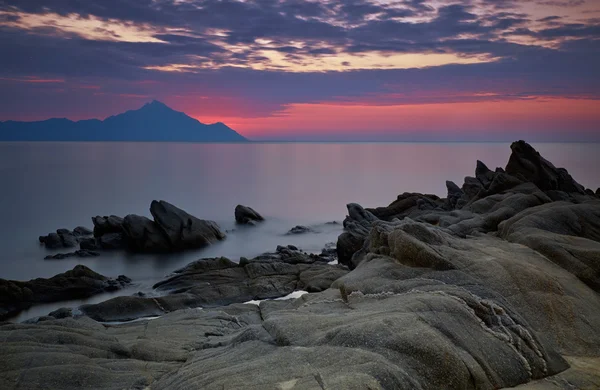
80,282
246,215
300,229
78,253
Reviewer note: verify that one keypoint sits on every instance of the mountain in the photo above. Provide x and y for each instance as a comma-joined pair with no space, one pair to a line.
153,122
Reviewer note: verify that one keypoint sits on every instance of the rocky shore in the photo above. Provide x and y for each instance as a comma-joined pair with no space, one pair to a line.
497,285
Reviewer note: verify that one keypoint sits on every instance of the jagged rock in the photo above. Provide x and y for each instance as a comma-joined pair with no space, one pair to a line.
184,231
79,253
525,162
471,187
454,194
80,282
356,228
145,235
408,205
246,215
105,225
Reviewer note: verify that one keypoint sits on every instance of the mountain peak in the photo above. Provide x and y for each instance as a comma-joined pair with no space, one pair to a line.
156,104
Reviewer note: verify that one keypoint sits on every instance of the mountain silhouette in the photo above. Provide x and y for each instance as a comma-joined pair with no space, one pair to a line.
155,121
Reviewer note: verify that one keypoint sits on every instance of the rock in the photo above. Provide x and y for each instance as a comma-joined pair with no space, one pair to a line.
484,174
408,205
454,193
299,229
183,230
63,238
112,241
527,163
52,241
567,234
63,312
80,282
145,235
598,192
104,225
471,187
246,215
219,281
79,253
356,228
81,231
89,244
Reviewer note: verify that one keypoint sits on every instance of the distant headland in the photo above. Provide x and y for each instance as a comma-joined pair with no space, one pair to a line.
154,121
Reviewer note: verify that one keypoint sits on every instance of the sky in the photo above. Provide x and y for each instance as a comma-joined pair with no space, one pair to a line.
356,70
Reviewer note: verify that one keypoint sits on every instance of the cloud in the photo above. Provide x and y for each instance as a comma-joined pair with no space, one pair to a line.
275,53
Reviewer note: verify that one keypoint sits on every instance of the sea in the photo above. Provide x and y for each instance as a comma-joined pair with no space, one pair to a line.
50,185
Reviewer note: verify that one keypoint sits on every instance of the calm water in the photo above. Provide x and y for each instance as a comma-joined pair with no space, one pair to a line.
46,186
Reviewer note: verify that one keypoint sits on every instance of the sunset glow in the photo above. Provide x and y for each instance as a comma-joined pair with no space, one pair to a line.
302,70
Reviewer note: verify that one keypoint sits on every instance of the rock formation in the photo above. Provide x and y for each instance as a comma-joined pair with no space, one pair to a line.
80,282
495,286
246,215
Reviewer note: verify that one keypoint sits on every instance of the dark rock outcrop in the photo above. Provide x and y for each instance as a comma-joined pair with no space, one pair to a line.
246,215
527,163
106,225
184,231
145,235
219,281
63,238
80,282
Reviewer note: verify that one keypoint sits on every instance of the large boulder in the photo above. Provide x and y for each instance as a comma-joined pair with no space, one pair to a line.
80,282
63,238
182,230
246,215
527,163
145,235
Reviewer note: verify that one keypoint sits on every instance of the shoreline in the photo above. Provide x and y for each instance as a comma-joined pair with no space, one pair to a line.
496,285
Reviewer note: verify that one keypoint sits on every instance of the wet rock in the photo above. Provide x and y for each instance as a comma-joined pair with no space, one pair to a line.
184,231
300,229
219,281
83,253
80,282
246,215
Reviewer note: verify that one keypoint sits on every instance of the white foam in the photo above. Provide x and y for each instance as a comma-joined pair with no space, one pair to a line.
293,295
